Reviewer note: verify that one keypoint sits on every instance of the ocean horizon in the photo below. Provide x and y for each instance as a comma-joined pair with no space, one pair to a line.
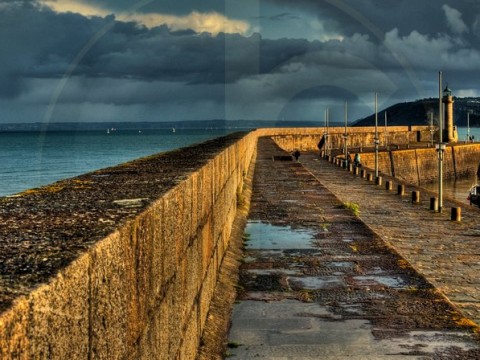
32,159
35,158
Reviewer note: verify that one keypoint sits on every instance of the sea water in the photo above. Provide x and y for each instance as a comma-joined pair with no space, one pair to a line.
32,159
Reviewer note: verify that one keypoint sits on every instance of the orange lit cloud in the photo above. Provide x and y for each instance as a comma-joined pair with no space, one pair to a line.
211,22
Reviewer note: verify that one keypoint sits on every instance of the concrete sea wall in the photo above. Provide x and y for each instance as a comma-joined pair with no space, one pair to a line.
143,291
122,263
420,166
415,166
307,139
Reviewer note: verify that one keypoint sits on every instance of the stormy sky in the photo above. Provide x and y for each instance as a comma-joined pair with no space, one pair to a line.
123,60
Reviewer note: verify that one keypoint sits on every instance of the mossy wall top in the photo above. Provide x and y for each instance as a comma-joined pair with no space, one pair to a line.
120,263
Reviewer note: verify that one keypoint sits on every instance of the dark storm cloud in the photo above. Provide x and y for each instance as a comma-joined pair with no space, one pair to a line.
51,43
285,16
43,44
186,74
377,17
39,43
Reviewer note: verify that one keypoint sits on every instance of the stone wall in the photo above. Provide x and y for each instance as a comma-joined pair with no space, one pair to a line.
416,166
420,166
144,291
142,288
306,139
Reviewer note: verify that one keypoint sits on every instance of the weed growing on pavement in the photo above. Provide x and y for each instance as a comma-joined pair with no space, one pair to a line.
354,208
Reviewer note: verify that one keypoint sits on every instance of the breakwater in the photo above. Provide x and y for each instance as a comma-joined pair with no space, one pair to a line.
307,139
420,166
120,263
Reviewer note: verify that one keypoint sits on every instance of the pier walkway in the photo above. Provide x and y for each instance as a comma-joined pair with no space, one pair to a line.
317,281
446,252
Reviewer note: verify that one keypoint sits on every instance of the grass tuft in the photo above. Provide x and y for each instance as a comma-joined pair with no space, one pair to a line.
354,208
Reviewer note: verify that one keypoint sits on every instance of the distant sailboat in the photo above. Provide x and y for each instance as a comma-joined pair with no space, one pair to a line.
108,131
173,130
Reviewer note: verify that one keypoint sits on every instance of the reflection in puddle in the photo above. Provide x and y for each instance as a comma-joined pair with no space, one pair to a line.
274,326
291,201
441,340
317,283
390,281
249,259
340,264
354,309
268,236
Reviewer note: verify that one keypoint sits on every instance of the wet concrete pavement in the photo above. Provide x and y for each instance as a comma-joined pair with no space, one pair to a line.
447,253
316,282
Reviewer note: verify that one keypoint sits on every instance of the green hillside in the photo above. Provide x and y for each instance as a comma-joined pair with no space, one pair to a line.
417,113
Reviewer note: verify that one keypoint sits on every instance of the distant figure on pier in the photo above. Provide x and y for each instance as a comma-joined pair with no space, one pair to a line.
296,154
356,160
320,144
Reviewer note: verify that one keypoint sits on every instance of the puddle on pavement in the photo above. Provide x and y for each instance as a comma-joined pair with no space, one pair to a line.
278,329
249,259
291,201
316,283
352,309
268,236
437,340
376,271
340,264
395,282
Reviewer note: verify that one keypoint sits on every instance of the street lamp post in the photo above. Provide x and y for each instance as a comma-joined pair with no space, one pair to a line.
468,126
432,130
345,135
441,145
386,131
376,136
326,132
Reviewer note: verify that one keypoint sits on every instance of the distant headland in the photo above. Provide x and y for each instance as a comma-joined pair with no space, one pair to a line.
401,114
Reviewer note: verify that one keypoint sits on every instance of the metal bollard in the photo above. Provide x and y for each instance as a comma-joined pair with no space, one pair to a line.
456,214
434,204
370,177
389,185
364,173
401,189
356,171
350,167
378,180
415,197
